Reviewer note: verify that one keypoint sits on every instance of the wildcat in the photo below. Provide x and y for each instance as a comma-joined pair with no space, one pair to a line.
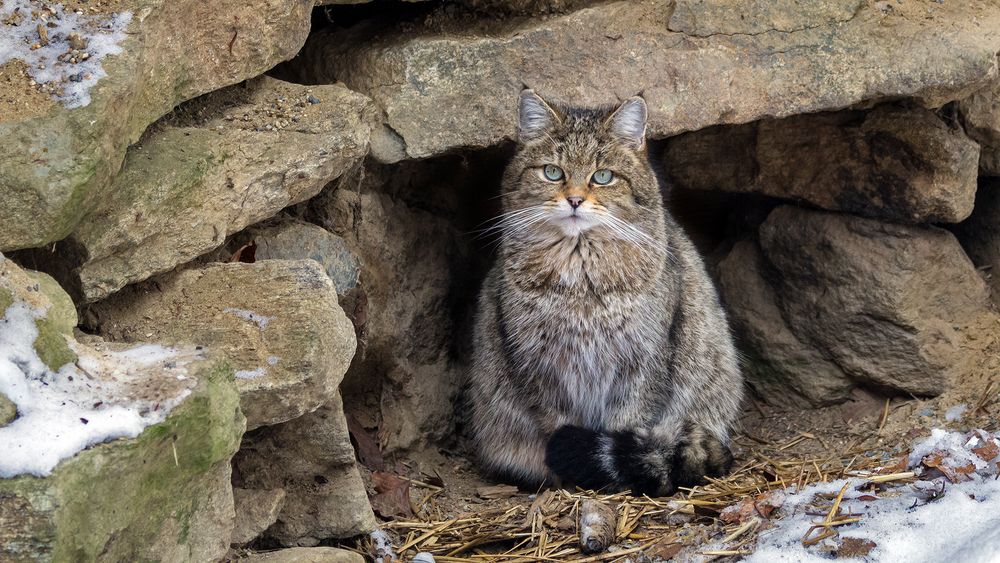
602,357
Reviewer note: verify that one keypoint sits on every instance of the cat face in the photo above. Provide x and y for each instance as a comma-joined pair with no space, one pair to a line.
582,171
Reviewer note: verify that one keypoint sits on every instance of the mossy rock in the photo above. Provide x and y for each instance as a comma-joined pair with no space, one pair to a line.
8,410
163,496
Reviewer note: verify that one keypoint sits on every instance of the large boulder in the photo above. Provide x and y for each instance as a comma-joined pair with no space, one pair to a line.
117,454
904,165
312,459
64,146
219,164
981,116
448,81
278,322
835,299
306,555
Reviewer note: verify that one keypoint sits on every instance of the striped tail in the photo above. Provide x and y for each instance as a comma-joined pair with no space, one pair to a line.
625,460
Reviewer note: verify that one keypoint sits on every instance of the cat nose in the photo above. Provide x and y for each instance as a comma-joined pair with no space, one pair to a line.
574,201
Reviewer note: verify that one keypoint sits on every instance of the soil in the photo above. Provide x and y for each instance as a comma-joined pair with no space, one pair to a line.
19,98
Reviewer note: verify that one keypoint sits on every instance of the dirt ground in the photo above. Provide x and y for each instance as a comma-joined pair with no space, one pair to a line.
456,515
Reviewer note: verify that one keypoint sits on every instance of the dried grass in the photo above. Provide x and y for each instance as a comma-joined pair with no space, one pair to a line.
543,527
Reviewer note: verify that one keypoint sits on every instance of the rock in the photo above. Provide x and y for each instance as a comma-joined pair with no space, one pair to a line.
981,116
980,234
57,162
891,306
293,239
444,87
307,555
904,165
255,512
8,410
403,315
42,294
780,367
161,426
277,321
312,459
199,176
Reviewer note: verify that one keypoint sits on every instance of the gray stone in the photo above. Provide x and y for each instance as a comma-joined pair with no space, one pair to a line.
278,322
292,239
454,83
198,177
981,116
255,512
56,164
312,459
891,306
904,165
307,555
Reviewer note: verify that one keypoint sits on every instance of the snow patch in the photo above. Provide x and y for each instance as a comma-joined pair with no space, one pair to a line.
261,320
63,412
955,413
930,520
384,552
71,81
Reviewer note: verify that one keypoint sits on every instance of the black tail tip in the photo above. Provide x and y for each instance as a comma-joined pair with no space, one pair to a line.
572,453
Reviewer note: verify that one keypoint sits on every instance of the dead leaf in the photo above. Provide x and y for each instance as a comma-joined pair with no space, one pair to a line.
761,505
988,451
901,464
492,492
365,445
666,551
392,496
868,498
854,547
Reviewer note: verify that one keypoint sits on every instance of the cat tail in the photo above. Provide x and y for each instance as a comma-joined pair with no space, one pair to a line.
622,460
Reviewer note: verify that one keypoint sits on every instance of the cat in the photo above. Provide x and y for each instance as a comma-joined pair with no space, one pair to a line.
602,356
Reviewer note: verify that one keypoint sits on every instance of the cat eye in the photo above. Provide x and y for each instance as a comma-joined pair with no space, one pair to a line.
552,173
603,176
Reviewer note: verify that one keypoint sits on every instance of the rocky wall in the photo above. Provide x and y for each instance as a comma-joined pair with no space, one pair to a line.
313,225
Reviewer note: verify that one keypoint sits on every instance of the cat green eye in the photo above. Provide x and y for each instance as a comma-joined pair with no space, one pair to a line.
552,173
603,176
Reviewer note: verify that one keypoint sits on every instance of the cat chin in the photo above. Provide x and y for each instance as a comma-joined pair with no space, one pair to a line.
575,225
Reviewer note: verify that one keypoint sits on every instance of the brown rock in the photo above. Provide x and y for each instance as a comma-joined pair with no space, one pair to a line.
8,410
454,83
778,364
904,165
981,116
312,459
199,176
277,321
57,165
255,512
890,305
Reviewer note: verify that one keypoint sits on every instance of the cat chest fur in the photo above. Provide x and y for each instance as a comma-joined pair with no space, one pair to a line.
580,351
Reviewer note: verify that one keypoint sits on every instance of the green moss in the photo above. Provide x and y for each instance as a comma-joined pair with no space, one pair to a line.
6,300
129,499
51,344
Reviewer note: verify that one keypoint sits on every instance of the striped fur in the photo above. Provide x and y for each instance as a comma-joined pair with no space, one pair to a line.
602,356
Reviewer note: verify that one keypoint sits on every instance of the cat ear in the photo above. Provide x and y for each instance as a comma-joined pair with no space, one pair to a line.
628,122
535,117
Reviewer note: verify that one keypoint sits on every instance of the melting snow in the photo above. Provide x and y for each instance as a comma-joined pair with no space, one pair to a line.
955,413
930,520
19,39
61,413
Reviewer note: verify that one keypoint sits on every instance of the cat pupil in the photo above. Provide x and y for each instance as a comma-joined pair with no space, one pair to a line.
603,176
